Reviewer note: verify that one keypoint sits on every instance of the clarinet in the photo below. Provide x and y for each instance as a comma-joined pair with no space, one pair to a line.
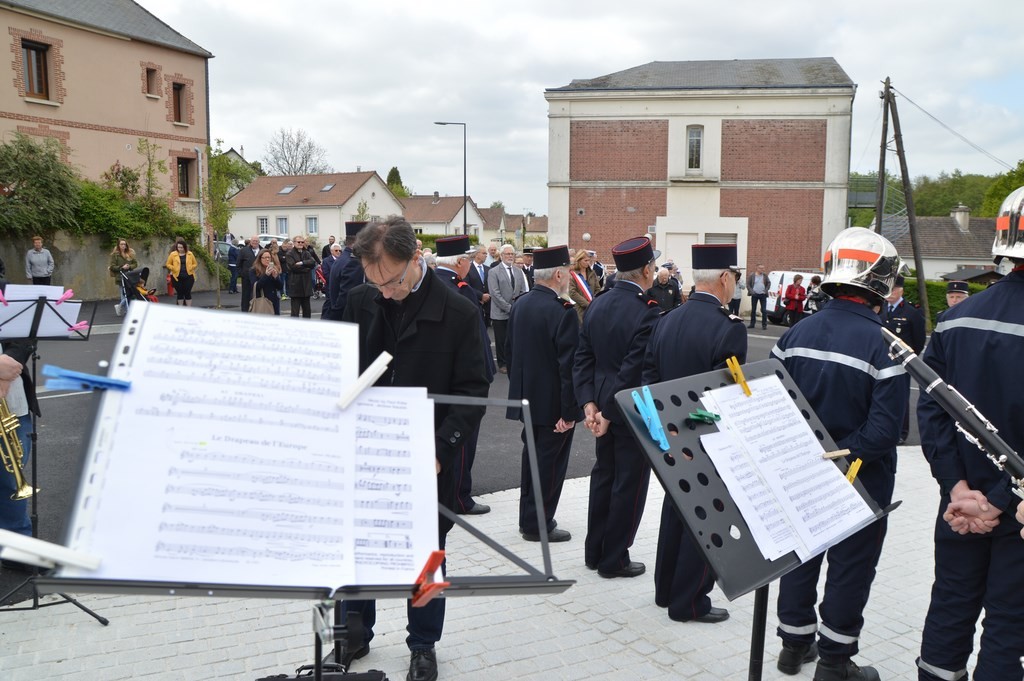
978,430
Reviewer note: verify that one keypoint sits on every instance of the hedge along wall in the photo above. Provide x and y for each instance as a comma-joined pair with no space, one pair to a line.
81,262
936,295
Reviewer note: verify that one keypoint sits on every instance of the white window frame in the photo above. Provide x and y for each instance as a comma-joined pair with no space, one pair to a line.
263,224
281,222
312,225
694,158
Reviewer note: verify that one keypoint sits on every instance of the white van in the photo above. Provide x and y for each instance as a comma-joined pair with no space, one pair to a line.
778,281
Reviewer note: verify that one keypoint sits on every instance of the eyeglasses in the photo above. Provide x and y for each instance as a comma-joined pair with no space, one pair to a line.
392,284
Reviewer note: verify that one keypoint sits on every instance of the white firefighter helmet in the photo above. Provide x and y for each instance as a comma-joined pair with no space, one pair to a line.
1009,242
861,259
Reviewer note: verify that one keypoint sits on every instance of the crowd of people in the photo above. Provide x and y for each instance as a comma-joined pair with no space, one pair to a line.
570,333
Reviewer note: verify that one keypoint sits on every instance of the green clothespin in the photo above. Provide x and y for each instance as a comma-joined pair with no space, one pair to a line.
704,416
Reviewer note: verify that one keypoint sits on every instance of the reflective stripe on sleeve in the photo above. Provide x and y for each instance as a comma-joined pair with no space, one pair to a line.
799,631
940,673
982,325
840,358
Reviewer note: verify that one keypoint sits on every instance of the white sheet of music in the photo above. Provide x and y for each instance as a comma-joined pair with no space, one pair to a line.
17,315
821,506
228,461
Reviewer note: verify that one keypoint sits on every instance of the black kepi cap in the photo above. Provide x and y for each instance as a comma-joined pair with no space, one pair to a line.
714,257
957,287
899,281
632,254
352,228
546,258
452,245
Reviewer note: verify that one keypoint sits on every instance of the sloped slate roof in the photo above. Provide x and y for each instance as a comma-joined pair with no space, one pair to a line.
122,17
940,237
264,192
815,72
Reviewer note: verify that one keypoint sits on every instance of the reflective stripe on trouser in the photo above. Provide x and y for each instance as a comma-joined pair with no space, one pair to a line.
809,629
836,636
930,671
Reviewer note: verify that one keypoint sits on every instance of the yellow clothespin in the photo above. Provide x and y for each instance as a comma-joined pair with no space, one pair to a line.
851,472
737,374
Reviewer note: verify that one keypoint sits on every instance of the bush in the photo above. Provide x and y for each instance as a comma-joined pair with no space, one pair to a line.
936,295
107,212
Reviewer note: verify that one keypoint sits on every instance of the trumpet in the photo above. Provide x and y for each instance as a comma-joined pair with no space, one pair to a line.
11,453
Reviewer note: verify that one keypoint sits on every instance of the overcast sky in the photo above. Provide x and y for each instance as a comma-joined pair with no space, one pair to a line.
367,79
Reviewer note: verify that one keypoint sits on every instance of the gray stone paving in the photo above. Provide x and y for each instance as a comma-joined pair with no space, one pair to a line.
599,629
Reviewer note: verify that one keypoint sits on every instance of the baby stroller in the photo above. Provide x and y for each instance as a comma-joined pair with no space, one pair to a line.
133,287
319,282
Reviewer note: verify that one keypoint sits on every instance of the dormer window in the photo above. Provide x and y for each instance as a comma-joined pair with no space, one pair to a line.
288,189
328,187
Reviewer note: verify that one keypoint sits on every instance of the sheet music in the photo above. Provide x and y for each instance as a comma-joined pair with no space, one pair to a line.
17,315
814,495
227,461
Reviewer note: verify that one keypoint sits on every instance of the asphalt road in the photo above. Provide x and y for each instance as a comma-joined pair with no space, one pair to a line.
67,418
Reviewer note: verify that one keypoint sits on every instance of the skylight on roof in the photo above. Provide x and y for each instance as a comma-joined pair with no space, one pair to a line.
328,187
288,189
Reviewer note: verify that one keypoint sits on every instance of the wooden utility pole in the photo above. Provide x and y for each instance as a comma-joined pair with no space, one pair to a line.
880,191
922,290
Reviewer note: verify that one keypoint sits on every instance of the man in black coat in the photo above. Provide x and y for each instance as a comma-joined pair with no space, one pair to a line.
246,258
610,358
907,322
432,334
453,255
543,333
345,275
300,261
693,339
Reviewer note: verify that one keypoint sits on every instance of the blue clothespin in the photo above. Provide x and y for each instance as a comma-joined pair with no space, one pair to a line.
649,413
64,379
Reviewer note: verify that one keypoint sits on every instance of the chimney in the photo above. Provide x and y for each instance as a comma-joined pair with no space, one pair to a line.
437,197
359,169
962,215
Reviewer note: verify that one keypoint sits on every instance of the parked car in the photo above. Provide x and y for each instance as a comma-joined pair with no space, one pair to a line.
220,251
778,281
265,239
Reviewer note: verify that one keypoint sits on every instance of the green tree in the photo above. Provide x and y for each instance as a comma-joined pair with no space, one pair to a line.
362,211
38,192
1001,188
151,169
394,183
227,176
122,178
498,204
940,195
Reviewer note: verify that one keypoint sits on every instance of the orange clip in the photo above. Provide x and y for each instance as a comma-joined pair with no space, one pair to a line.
426,587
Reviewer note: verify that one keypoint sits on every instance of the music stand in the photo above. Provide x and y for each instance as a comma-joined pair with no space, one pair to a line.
701,497
24,323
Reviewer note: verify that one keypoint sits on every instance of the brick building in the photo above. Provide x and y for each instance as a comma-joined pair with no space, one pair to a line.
98,76
754,152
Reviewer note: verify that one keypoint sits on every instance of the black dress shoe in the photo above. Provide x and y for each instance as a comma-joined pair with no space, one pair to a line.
554,536
422,666
713,616
845,670
633,569
476,509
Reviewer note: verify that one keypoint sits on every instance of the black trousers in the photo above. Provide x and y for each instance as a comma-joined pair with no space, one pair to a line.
763,301
500,327
300,304
41,281
618,494
552,462
464,499
682,578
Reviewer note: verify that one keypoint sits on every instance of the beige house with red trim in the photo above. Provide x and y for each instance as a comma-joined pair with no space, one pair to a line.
752,152
316,206
99,75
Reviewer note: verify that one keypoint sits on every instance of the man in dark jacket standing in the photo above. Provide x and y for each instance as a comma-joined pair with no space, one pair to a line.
698,337
300,262
757,288
543,333
346,274
246,258
433,335
907,322
610,358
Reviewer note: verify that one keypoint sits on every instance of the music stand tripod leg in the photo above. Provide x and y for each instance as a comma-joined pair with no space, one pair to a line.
757,633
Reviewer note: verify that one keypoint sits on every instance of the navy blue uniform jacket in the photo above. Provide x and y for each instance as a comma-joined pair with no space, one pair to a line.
693,339
976,348
346,274
611,353
840,361
543,334
907,322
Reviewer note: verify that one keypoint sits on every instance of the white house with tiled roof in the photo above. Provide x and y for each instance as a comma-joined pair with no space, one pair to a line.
311,205
441,215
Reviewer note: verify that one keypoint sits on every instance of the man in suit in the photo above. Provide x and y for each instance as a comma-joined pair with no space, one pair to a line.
907,322
505,283
246,258
542,338
433,336
692,339
610,358
346,274
453,258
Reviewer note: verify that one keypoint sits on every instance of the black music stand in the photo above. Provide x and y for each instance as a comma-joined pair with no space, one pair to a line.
700,496
36,310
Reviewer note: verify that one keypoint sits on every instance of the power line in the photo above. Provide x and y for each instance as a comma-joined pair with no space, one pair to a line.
964,139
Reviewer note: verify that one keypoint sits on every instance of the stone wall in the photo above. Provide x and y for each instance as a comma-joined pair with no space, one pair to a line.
81,263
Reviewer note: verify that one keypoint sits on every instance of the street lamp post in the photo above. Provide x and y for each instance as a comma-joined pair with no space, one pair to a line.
465,214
